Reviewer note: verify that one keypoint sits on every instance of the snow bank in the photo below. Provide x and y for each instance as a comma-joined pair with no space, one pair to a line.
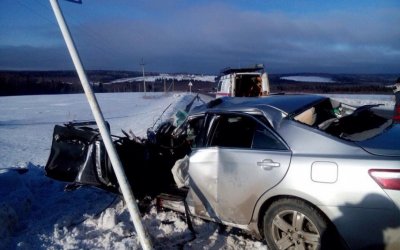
318,79
11,192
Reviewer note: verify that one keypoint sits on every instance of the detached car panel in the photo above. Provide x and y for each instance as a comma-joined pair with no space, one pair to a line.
78,155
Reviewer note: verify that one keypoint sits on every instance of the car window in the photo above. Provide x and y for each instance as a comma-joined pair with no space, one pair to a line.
264,139
233,131
194,130
239,131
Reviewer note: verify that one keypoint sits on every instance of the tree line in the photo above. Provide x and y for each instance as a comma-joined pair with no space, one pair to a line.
67,82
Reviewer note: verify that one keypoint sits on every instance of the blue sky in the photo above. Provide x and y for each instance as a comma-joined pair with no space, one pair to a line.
341,36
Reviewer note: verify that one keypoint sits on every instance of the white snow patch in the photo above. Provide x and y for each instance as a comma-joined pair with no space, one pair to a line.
161,77
318,79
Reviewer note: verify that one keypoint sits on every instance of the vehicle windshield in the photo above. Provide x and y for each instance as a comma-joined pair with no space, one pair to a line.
344,121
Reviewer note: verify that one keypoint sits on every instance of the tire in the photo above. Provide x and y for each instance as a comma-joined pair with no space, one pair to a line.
293,224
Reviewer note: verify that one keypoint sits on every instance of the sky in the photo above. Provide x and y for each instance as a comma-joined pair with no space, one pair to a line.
287,36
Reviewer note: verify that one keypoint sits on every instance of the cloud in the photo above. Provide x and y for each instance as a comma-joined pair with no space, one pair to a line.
217,35
205,38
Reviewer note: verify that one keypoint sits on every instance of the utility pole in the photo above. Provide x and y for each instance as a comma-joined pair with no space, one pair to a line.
105,134
144,79
165,86
396,91
190,86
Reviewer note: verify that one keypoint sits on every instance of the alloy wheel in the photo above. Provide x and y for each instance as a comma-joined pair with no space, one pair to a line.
293,230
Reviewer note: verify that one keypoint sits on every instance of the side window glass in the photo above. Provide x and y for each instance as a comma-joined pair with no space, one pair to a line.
194,134
264,139
234,131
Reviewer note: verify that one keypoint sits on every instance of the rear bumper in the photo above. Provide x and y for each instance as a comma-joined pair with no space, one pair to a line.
366,228
395,196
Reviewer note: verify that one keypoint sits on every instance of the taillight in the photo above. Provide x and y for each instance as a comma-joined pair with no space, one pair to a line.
386,178
396,115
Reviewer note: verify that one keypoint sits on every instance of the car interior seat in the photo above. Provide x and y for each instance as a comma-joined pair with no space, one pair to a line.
307,117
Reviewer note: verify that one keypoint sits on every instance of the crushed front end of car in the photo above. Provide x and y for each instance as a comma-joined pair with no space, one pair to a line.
78,155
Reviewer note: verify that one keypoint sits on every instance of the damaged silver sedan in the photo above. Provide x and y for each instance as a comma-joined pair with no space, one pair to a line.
300,171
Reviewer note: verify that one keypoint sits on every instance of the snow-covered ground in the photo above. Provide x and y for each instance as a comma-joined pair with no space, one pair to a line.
308,79
160,77
35,212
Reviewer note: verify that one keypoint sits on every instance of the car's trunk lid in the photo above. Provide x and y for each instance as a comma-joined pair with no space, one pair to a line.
386,143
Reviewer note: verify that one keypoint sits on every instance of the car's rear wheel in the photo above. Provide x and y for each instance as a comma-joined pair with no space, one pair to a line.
293,224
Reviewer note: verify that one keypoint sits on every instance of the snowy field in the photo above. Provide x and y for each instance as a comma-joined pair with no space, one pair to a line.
308,79
35,212
161,77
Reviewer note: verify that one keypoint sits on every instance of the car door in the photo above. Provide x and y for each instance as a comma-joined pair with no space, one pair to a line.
243,159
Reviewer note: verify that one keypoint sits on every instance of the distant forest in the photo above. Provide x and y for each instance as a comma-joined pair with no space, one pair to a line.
67,82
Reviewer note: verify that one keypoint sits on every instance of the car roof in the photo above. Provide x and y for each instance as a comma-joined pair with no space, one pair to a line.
287,104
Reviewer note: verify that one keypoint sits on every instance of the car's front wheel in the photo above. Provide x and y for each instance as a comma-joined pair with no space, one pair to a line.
293,224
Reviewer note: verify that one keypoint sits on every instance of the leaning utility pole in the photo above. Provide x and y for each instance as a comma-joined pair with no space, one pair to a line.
144,79
105,134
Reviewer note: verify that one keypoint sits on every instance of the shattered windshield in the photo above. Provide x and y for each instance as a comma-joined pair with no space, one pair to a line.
344,121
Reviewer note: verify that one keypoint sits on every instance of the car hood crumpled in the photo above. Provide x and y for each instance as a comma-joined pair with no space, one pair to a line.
386,143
